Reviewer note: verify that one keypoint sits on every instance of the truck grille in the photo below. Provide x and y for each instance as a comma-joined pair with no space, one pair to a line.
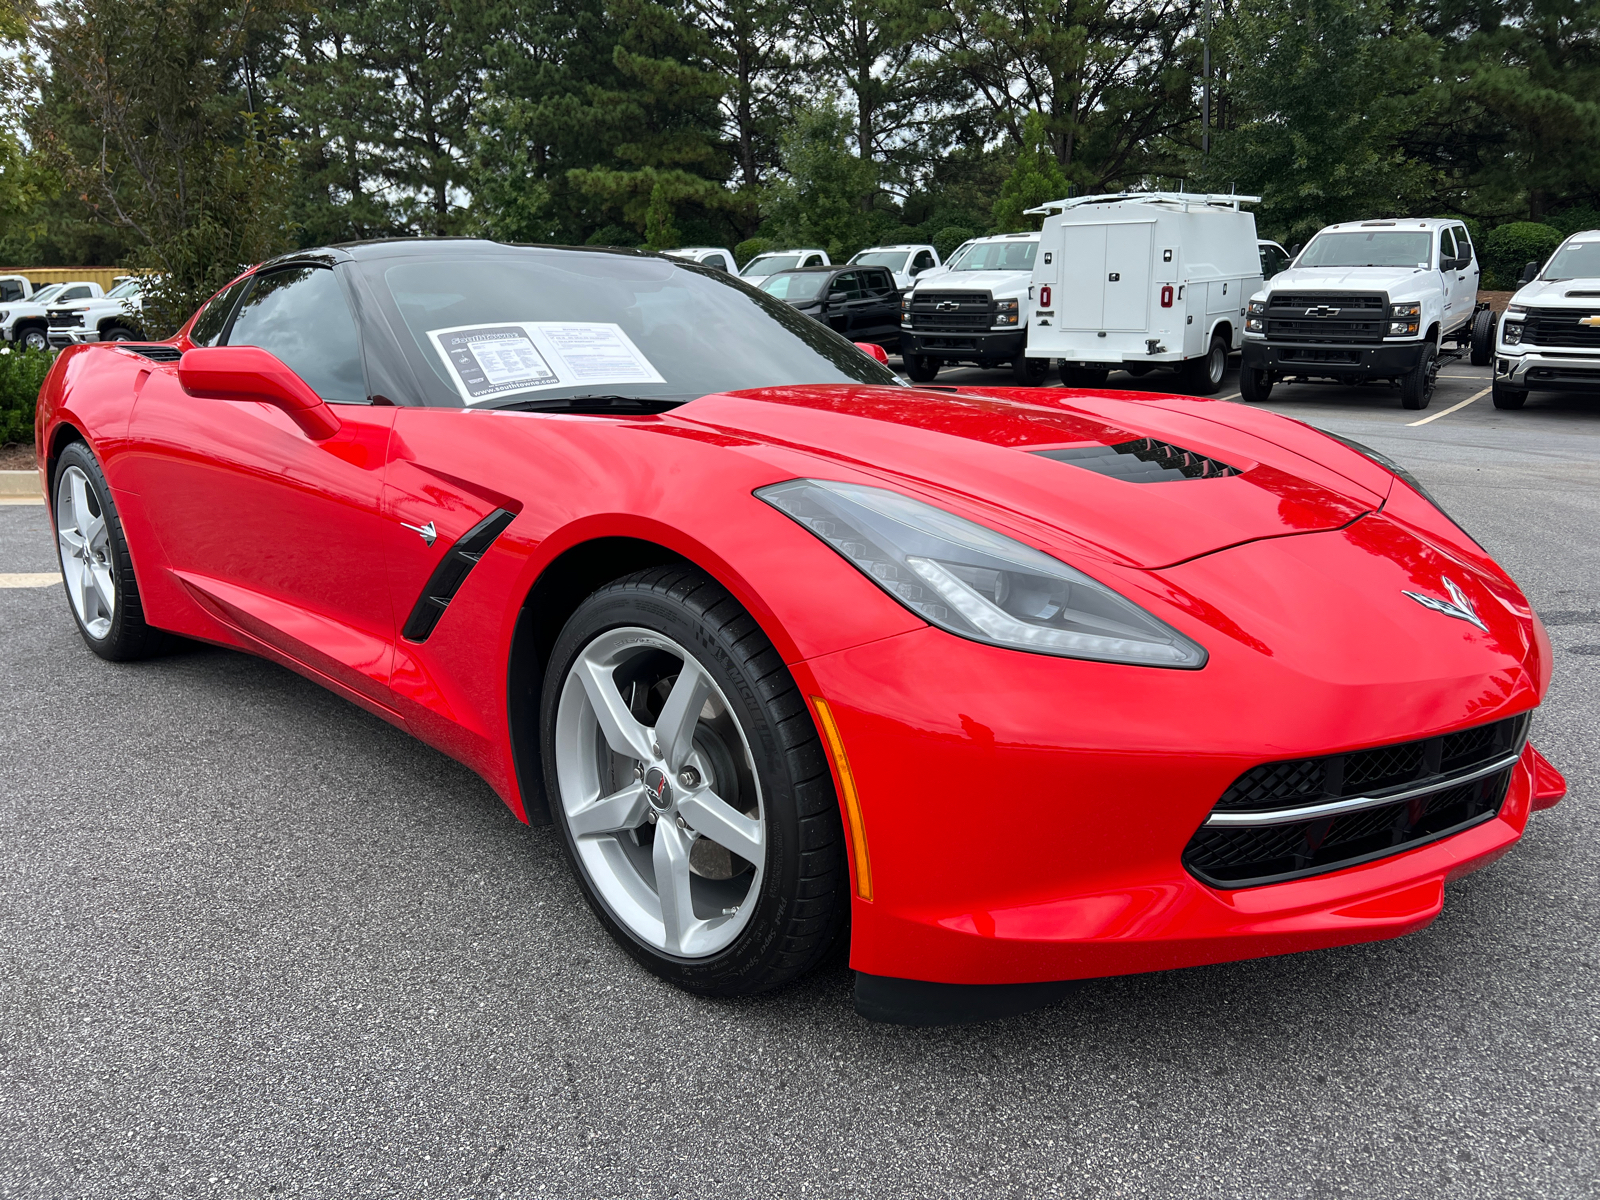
1327,316
1559,327
1285,820
70,320
939,312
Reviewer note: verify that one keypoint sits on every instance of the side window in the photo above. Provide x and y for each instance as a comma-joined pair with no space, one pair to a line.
10,290
922,262
1463,245
880,283
1447,247
213,318
74,293
717,261
813,260
300,315
845,287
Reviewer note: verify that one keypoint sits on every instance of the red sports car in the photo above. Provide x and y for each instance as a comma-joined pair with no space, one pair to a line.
1020,687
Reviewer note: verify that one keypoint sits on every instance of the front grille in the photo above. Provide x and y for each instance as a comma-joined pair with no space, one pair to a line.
1144,460
1559,327
65,320
1331,317
938,312
1417,793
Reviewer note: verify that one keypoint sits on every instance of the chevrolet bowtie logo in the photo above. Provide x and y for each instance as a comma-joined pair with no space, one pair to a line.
1322,310
1592,322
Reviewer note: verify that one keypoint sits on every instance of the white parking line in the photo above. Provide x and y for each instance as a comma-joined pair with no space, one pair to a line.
28,579
1235,396
1445,412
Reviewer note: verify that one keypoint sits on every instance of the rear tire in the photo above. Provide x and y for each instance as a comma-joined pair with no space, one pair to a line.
1255,387
96,568
119,333
1030,372
1505,396
1203,376
740,926
923,368
1416,385
1483,338
1084,377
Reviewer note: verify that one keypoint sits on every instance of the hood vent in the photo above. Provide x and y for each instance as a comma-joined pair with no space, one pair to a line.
1583,295
1143,461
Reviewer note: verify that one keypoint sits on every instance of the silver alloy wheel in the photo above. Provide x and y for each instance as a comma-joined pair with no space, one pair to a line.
35,339
85,552
666,818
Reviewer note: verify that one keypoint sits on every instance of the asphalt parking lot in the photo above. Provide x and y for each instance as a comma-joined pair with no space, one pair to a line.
256,942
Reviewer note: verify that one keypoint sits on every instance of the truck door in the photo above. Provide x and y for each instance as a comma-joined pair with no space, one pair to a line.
1127,277
1080,299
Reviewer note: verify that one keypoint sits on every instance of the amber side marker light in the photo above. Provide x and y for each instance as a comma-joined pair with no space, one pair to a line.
852,803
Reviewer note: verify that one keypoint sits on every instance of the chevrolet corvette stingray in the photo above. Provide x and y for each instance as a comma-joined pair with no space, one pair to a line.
1011,687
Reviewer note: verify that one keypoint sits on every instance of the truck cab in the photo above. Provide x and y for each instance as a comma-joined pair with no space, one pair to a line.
1144,280
905,261
1364,300
1549,337
706,256
773,261
976,312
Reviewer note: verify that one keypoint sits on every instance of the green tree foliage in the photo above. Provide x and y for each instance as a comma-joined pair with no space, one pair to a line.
22,374
817,202
1035,179
1511,247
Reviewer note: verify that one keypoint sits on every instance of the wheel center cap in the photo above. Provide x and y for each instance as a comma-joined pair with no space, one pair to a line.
658,788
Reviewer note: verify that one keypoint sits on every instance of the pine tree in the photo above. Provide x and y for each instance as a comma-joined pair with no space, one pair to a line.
1036,179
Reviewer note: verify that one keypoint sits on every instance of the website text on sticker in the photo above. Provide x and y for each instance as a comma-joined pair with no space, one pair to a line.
490,361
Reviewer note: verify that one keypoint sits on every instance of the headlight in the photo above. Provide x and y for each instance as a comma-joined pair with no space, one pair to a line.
1511,332
1402,328
1258,308
976,583
905,303
1255,325
1395,469
1005,312
1405,310
1515,312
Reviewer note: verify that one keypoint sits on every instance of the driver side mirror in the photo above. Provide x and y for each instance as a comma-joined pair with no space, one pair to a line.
1294,250
874,351
251,373
1529,274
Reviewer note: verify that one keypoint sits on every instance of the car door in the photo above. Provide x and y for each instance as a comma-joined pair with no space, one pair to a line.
276,533
1448,273
1466,275
880,309
843,300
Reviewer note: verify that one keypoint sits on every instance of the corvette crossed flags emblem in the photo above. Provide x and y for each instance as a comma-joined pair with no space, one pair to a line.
1458,606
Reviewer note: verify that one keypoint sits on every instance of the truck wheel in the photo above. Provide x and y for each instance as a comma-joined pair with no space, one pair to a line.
1203,376
922,368
1416,385
1255,386
118,333
1083,377
1506,396
35,339
1482,338
1030,372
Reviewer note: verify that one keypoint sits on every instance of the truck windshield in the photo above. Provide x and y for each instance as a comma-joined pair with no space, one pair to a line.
998,256
895,260
1575,260
771,264
129,287
798,286
1385,248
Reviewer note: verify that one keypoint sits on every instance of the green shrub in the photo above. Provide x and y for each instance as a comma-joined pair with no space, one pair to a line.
746,250
22,373
948,238
1576,219
1510,248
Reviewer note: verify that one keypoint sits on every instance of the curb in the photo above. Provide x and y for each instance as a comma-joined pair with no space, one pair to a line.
19,483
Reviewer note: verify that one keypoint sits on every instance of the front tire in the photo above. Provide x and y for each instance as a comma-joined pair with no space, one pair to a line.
1203,376
35,339
119,333
1506,396
1482,340
690,788
96,567
922,368
1416,385
1255,387
1030,372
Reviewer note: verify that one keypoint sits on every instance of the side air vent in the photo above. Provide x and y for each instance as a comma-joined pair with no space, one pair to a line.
1583,295
161,354
451,573
1143,461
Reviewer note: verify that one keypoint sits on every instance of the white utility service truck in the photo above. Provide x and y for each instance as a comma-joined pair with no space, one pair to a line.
1140,280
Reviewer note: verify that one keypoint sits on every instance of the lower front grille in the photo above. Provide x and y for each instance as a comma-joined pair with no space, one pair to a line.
1289,820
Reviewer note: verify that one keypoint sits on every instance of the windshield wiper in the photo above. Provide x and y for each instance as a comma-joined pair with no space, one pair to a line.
591,404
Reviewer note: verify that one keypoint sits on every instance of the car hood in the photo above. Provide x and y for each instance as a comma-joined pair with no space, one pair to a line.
976,281
1564,293
979,452
1375,279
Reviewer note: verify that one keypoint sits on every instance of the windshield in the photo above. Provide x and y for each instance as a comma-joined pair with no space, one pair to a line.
1575,260
796,286
895,260
47,293
998,256
128,288
536,324
766,264
1379,248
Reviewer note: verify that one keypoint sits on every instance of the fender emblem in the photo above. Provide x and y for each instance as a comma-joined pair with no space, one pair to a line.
428,532
1458,606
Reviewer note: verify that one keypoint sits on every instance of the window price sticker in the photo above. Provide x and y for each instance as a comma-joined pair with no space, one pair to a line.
490,361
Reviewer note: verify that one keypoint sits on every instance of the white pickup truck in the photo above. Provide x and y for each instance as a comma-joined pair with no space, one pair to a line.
25,321
974,312
112,318
1549,338
1366,300
905,261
